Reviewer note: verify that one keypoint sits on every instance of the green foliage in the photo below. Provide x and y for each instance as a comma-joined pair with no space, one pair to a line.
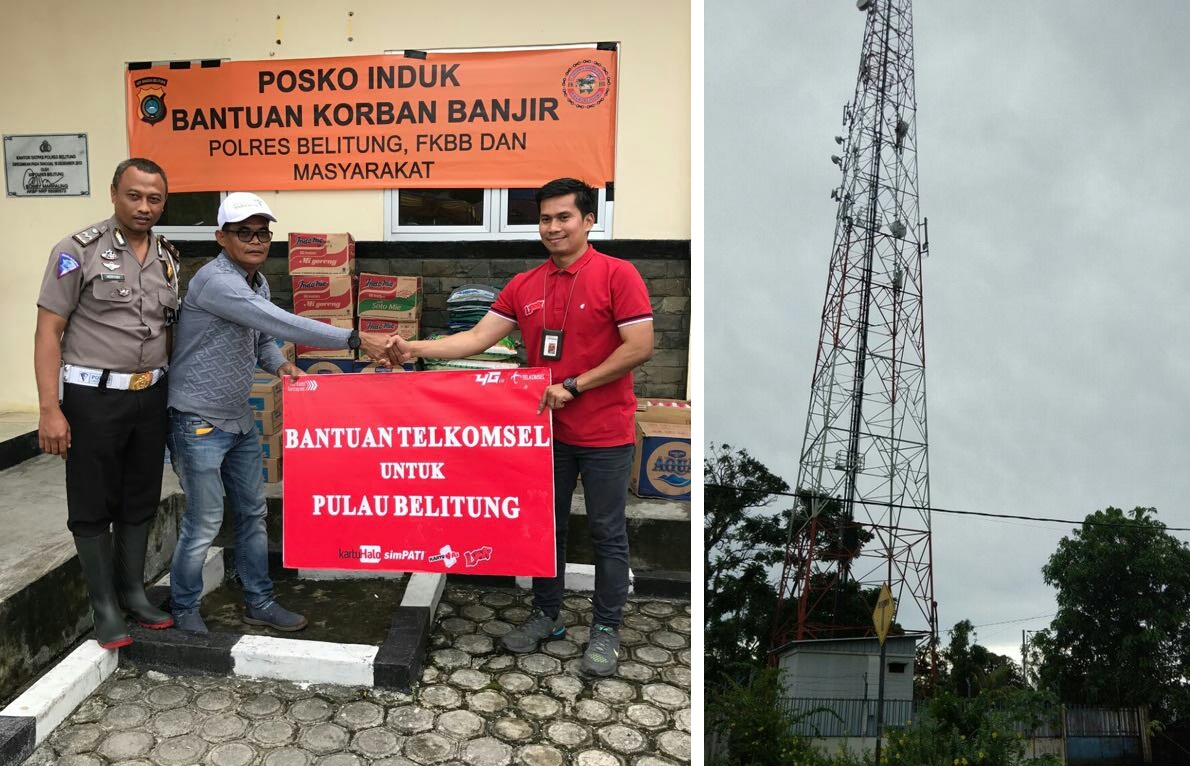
1122,633
966,668
742,543
756,726
978,731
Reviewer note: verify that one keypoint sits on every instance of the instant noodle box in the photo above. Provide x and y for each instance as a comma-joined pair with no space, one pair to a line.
325,366
389,297
406,328
321,254
319,295
313,352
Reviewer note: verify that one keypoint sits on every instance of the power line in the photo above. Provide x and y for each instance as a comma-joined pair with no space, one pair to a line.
1009,622
965,513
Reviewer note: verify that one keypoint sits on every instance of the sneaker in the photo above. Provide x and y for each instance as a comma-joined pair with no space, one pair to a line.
274,616
602,652
190,622
540,626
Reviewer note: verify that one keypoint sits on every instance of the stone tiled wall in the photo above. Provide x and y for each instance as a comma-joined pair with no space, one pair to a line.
445,266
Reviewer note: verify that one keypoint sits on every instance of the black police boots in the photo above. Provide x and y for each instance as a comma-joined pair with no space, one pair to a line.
131,542
95,554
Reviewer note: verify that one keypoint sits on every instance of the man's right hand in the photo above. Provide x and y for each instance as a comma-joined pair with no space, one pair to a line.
400,350
374,345
53,432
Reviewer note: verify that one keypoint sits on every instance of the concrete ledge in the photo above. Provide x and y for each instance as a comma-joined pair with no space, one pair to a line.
57,693
396,663
318,662
18,449
17,739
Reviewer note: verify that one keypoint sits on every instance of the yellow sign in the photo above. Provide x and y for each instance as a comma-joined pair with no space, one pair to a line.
882,615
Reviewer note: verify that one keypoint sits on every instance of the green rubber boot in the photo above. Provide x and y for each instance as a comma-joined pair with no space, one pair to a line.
131,542
95,555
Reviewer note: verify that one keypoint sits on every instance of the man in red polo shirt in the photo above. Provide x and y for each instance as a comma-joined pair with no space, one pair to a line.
587,317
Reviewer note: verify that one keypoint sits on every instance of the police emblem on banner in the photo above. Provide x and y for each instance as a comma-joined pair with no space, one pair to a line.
586,84
150,95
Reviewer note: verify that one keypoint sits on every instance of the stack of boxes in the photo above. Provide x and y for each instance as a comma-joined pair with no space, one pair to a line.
265,400
388,304
322,267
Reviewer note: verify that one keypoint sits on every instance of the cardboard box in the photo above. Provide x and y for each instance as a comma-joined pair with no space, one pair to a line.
270,470
287,349
324,296
389,297
377,367
268,422
406,328
326,366
313,352
270,446
663,411
321,254
265,395
661,461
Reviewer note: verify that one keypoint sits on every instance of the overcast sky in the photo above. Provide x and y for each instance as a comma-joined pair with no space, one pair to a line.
1054,162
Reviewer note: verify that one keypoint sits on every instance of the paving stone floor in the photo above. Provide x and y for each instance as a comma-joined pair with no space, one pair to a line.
476,704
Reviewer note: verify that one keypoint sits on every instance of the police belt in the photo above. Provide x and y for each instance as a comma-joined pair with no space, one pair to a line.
120,381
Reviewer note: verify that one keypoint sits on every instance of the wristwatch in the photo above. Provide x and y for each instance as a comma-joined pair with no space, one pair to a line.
571,385
353,340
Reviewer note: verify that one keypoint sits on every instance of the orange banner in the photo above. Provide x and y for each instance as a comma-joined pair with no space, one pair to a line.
512,119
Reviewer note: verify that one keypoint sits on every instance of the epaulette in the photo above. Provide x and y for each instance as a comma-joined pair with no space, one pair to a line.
90,234
169,246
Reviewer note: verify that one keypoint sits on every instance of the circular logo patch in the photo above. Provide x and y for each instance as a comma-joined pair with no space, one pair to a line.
668,467
586,84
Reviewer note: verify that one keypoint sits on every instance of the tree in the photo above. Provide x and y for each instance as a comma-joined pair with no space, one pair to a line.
968,669
743,541
1122,633
744,547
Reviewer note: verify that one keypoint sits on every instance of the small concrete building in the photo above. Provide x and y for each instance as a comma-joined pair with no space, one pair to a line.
834,684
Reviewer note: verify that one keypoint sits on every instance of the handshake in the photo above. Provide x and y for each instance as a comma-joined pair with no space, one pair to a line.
388,350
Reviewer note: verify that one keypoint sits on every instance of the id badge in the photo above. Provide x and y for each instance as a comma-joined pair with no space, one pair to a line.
551,344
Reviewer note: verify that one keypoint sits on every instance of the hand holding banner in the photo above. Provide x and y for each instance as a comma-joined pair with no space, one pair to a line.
426,472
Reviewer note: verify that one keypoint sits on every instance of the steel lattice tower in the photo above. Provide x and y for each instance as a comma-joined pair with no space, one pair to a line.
863,480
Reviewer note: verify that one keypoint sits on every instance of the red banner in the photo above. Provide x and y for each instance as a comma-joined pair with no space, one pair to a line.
491,119
419,472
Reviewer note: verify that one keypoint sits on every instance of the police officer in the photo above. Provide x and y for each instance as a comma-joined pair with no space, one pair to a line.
109,294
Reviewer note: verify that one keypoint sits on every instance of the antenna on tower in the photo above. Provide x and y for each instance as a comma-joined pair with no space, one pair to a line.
862,513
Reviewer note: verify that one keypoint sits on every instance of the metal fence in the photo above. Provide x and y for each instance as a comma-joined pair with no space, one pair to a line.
824,717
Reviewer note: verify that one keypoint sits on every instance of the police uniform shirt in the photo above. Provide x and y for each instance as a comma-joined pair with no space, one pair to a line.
116,308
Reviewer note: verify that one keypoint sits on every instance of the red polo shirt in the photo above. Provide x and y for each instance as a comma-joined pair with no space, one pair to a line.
603,294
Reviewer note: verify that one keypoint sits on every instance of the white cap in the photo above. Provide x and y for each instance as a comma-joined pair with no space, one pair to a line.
239,206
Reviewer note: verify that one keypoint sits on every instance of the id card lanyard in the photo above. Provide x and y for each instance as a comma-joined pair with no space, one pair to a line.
551,340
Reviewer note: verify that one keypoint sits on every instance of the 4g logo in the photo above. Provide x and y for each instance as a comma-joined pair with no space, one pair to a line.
485,378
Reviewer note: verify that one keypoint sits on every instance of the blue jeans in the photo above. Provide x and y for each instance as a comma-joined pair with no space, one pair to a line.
605,473
209,463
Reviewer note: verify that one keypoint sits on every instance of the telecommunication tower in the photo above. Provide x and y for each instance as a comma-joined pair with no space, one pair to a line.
863,478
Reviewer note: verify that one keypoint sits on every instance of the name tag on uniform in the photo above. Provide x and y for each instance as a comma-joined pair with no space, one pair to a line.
111,277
